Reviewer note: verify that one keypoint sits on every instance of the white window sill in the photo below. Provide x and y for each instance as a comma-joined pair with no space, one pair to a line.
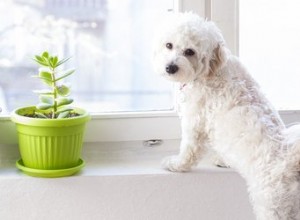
133,158
114,159
123,180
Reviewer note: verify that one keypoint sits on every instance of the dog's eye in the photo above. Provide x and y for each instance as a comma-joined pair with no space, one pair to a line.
188,52
169,46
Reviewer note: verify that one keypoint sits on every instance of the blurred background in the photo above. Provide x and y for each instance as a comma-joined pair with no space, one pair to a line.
110,43
269,46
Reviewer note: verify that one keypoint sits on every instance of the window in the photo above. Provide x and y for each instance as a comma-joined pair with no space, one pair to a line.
270,48
111,126
235,18
109,42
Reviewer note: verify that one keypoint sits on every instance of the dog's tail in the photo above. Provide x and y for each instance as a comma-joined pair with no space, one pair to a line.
292,135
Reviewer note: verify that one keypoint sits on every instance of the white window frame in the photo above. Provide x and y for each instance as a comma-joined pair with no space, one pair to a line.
138,126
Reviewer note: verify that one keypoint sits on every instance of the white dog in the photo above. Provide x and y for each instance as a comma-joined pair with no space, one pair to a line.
223,109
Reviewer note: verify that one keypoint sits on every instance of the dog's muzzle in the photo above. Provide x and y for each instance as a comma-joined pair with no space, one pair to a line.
171,68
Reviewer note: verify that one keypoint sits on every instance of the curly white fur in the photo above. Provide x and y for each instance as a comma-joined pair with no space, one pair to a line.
223,109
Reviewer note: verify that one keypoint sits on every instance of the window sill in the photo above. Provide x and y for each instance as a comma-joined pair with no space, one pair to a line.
114,159
123,180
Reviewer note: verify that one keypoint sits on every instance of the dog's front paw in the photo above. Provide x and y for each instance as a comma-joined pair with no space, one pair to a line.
220,163
174,164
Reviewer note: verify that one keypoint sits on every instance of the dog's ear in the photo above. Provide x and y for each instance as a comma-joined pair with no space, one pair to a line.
217,60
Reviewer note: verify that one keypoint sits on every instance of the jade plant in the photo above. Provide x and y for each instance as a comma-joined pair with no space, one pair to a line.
54,101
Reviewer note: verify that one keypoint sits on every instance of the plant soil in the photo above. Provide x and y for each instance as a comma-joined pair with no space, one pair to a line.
49,115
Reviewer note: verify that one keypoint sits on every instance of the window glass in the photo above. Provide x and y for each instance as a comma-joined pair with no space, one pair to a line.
270,48
110,43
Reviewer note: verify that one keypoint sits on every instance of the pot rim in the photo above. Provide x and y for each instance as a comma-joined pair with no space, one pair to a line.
18,118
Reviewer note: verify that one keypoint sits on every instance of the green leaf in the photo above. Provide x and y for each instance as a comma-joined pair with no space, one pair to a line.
64,109
40,115
63,101
45,80
46,99
63,90
51,61
40,60
63,114
46,77
55,59
48,62
37,57
43,106
63,61
43,92
65,74
45,54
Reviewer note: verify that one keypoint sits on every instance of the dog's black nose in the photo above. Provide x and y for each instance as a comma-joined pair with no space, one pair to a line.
172,68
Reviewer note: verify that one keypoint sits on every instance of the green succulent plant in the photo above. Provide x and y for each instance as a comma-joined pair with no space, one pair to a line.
55,101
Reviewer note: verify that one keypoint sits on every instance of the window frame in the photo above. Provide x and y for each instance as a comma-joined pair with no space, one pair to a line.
110,127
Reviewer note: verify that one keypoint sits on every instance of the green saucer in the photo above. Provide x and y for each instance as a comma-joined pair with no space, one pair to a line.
50,173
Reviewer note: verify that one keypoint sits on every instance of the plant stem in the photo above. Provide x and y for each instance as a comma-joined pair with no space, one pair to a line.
54,92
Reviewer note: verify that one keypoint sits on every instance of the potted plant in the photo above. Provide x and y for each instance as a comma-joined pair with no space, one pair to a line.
51,133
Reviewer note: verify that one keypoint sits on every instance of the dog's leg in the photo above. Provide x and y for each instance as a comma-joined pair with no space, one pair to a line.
192,148
188,156
275,196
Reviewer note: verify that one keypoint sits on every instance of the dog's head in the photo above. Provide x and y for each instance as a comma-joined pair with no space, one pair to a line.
188,47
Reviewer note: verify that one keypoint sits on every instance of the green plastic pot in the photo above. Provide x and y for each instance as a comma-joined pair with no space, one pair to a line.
50,145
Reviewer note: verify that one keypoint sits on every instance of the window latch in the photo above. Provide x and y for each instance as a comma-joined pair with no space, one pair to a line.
153,142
